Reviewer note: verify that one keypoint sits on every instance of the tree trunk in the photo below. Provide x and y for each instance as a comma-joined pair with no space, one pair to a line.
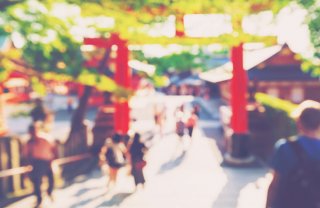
104,123
78,116
77,140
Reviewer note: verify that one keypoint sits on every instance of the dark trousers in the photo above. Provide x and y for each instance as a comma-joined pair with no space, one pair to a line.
137,175
41,168
190,130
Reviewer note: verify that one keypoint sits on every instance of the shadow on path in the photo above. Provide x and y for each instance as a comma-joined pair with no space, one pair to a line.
171,164
86,201
238,178
116,200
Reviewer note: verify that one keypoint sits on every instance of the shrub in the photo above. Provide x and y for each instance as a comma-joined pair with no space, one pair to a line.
272,124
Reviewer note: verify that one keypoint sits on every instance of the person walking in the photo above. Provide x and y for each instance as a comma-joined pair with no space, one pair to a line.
113,153
296,163
39,112
137,151
43,115
70,105
191,123
40,153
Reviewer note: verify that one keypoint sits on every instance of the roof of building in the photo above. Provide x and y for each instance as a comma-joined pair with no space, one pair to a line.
251,59
277,73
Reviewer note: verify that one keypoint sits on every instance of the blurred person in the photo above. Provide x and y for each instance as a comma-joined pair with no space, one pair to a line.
137,151
180,127
40,153
39,112
70,104
296,163
196,109
113,153
179,112
42,114
125,139
191,123
159,118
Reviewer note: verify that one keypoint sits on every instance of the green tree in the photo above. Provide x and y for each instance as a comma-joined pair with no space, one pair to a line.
312,64
52,51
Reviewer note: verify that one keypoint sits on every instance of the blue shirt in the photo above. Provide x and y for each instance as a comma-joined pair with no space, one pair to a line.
285,158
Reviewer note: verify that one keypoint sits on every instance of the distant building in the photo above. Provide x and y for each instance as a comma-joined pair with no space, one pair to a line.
274,70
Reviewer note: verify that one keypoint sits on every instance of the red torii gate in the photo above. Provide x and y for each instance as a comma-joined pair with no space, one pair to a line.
122,76
239,119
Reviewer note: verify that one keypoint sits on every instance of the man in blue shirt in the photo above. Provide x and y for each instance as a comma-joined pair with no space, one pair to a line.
287,158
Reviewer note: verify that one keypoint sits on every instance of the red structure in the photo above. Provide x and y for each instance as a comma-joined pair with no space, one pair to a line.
122,76
239,119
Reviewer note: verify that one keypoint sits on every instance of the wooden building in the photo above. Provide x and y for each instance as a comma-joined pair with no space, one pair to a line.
274,70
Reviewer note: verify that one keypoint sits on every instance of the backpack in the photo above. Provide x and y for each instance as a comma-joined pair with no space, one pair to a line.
113,159
180,126
301,188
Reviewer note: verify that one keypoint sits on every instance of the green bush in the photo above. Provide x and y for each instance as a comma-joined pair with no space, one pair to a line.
272,124
277,115
275,103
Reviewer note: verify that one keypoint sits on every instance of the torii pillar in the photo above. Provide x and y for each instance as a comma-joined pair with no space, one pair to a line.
239,120
112,118
3,127
123,79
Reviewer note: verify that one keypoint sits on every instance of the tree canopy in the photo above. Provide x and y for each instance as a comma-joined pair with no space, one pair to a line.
52,39
312,64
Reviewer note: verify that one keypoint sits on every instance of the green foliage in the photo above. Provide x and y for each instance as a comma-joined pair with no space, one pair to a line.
313,19
160,81
277,116
21,113
306,3
275,103
179,62
121,94
49,44
38,86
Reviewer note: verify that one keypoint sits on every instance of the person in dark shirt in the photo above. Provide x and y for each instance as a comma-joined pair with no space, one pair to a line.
137,151
40,153
39,112
286,158
113,154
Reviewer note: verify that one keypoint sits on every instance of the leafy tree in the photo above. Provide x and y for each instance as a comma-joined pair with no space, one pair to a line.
178,62
52,51
312,64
